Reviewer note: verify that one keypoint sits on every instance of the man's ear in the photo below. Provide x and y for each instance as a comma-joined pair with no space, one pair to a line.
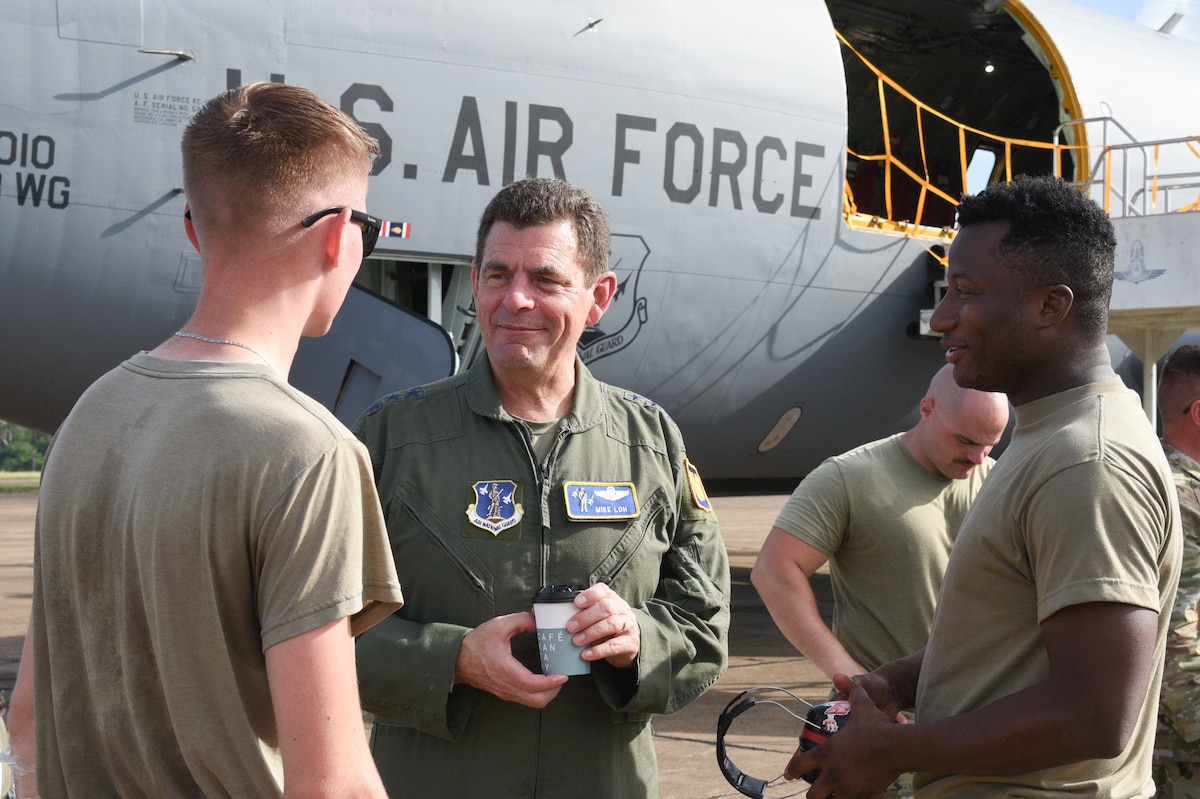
336,240
1056,303
926,407
189,227
603,292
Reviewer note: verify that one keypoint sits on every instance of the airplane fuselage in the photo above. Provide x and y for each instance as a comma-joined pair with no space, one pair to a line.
772,331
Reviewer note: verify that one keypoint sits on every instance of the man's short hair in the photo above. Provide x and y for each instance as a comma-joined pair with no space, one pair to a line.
254,152
1056,235
1179,384
541,201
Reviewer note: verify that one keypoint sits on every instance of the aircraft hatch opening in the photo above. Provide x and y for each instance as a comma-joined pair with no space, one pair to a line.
932,85
935,87
405,322
439,290
980,170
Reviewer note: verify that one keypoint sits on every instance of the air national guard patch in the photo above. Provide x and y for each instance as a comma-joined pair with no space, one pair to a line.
601,501
698,493
497,506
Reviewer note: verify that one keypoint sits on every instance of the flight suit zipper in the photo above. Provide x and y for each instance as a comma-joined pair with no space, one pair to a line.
541,474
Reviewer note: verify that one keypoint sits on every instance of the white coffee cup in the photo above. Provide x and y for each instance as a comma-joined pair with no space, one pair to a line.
553,606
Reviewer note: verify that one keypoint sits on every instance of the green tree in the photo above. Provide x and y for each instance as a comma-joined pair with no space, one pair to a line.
21,449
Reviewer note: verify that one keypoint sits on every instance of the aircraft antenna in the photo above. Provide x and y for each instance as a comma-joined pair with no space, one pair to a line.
182,55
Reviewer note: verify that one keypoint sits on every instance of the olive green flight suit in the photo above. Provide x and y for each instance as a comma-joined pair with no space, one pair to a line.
454,470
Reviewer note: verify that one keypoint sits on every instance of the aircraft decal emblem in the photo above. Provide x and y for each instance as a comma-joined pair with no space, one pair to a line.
623,321
598,501
1137,271
497,506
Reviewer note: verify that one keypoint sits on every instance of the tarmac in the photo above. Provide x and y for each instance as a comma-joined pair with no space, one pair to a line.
760,742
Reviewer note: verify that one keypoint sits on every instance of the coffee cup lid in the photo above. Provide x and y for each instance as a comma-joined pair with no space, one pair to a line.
557,593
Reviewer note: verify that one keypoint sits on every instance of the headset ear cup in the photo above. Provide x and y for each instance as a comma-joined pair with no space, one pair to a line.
820,722
823,721
744,783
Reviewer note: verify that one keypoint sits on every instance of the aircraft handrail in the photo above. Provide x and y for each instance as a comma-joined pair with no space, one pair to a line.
1177,175
1105,122
1193,185
1143,199
1058,131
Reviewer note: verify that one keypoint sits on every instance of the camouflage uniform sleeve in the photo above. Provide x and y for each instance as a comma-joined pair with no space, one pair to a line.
1180,698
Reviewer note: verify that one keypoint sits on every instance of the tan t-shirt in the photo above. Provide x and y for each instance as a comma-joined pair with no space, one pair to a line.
190,516
886,524
1080,508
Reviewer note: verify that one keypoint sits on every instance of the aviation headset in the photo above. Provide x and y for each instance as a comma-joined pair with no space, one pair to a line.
821,721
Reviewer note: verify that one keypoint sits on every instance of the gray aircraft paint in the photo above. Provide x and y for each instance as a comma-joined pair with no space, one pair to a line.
714,134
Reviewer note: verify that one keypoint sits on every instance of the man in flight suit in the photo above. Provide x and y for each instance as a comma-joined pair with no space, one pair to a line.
521,472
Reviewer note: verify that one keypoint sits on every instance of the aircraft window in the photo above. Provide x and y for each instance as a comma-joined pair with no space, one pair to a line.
979,171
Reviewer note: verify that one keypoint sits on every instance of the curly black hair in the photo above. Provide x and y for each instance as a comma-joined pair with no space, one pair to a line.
1056,235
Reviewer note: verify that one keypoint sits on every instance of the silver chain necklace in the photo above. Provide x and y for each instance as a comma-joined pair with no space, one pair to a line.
198,337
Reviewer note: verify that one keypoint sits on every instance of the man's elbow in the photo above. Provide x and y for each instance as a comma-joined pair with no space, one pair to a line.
756,575
361,786
761,578
1102,738
20,717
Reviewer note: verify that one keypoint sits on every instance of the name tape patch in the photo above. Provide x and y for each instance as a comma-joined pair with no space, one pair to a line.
600,501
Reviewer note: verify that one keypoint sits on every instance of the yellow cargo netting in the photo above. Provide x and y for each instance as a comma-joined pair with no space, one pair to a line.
921,176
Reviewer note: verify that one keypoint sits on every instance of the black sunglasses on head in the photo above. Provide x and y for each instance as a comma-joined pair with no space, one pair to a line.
371,225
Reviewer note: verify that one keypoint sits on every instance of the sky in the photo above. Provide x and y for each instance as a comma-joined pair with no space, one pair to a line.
1153,13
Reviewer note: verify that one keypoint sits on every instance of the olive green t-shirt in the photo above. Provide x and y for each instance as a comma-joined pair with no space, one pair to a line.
1081,508
886,524
191,515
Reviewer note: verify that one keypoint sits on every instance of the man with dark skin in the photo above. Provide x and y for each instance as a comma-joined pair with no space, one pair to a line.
1042,669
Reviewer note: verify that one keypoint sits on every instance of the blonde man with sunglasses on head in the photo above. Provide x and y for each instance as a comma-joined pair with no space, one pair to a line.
208,538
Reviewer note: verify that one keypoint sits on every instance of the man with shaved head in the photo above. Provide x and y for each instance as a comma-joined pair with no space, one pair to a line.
884,516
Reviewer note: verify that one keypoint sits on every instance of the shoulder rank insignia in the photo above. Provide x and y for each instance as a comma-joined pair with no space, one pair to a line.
640,400
408,393
497,506
600,501
697,485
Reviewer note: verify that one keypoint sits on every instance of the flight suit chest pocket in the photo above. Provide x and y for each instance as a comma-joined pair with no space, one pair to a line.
632,564
432,558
